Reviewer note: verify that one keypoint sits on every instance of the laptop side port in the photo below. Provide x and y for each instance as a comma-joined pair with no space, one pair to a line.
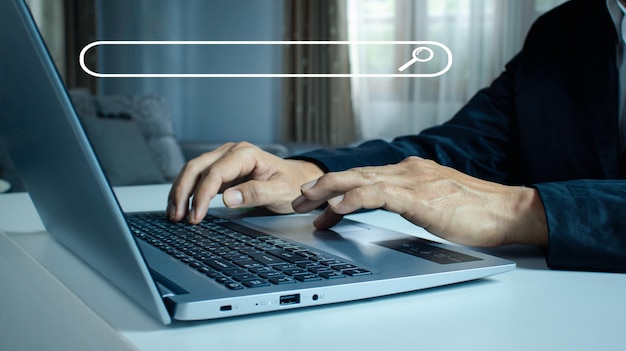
289,299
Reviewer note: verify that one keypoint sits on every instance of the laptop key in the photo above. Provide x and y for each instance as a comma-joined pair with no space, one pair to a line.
267,259
282,280
248,264
255,283
234,286
342,267
286,266
245,277
321,269
288,256
213,274
307,277
356,272
296,271
232,272
223,280
220,264
332,275
270,275
261,270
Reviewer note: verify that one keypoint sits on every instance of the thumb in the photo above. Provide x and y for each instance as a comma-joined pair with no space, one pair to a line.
272,194
233,198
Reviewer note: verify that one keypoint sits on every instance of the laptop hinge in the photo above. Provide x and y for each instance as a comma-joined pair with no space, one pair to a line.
166,287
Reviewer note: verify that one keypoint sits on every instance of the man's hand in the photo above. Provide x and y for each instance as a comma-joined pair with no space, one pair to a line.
446,202
245,174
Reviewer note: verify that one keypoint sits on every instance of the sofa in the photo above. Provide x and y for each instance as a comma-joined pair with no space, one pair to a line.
133,138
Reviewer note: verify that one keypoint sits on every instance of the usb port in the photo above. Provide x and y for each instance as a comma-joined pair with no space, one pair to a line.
289,299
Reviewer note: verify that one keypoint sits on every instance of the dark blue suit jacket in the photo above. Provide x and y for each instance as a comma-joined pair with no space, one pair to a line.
549,121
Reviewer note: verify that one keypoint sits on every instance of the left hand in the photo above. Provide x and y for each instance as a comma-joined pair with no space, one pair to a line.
446,202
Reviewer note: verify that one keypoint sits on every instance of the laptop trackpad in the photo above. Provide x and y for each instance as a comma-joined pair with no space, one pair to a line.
347,239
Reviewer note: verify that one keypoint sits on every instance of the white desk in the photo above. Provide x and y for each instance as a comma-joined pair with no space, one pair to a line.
52,301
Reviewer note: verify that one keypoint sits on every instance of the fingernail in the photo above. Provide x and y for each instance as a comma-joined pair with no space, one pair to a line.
233,198
335,200
298,201
309,185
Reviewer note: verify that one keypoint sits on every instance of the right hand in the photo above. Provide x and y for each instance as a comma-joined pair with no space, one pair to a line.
246,175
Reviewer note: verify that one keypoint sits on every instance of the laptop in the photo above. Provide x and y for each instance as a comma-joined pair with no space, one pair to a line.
233,263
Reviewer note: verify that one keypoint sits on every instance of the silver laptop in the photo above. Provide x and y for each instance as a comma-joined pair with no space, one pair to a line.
230,265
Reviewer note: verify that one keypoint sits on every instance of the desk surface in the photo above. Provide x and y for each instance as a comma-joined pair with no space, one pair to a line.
52,301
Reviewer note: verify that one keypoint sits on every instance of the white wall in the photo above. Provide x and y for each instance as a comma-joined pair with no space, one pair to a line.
205,109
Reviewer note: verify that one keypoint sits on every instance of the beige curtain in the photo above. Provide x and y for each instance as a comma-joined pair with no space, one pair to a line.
49,16
317,110
482,34
67,26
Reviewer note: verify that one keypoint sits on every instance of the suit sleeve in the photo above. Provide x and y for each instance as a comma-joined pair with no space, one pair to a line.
586,224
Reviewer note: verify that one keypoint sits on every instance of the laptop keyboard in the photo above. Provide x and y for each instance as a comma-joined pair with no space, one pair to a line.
236,256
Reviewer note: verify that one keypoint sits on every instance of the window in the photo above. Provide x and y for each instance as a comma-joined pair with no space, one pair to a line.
482,35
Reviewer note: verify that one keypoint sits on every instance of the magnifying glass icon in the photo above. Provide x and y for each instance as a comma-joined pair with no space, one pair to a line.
416,57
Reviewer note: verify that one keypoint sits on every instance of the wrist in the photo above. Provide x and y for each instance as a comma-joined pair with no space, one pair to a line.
529,225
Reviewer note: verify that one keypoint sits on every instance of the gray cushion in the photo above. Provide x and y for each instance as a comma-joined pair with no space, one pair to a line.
122,151
153,117
83,102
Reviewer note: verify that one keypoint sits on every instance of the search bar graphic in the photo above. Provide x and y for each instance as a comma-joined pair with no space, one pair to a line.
415,58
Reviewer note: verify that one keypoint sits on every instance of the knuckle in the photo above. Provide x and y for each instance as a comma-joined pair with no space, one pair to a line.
212,152
242,145
245,150
326,181
412,159
226,146
368,175
192,166
416,162
384,188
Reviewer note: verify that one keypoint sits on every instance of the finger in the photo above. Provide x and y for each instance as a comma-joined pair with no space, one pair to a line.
274,194
330,185
233,165
302,204
327,219
186,182
383,195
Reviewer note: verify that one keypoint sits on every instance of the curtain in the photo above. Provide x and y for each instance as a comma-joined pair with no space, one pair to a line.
317,110
67,26
482,35
80,30
49,16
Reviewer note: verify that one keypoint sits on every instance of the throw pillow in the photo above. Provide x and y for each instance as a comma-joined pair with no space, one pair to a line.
122,151
153,117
